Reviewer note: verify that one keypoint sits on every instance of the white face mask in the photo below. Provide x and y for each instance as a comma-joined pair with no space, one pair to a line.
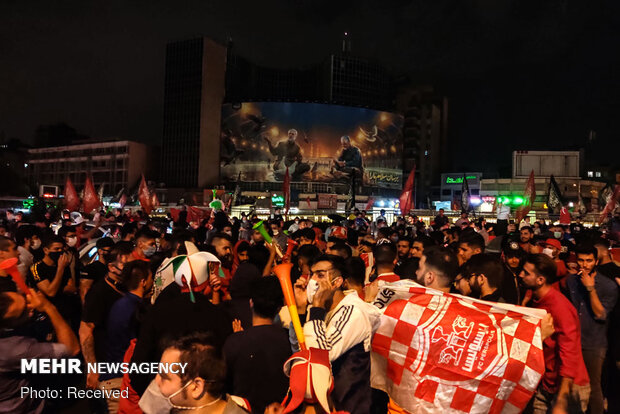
276,232
180,407
311,289
71,241
557,234
548,252
35,244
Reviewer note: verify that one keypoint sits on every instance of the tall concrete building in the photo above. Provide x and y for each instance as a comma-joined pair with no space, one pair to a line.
193,96
425,137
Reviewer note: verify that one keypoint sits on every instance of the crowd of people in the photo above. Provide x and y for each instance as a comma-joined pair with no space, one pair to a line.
120,302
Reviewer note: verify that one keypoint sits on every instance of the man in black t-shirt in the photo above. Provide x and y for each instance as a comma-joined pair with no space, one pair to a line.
52,277
97,269
254,358
97,305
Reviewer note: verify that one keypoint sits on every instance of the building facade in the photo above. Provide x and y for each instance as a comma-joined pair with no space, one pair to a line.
193,97
115,165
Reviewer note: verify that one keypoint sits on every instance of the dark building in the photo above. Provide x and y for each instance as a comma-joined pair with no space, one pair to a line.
193,96
425,138
341,79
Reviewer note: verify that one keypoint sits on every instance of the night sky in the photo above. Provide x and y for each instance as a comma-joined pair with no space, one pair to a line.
520,74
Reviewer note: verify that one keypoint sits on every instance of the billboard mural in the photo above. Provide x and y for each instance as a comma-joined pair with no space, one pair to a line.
317,142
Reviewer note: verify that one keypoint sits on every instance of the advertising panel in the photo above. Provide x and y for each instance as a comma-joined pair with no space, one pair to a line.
261,139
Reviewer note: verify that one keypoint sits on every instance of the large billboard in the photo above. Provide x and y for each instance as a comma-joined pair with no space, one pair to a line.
317,142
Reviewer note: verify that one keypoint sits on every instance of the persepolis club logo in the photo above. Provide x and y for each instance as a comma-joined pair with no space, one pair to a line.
456,342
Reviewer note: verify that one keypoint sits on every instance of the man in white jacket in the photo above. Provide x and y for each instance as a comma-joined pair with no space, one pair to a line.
342,323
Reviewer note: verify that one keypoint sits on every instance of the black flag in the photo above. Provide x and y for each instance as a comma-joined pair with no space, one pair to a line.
464,195
554,197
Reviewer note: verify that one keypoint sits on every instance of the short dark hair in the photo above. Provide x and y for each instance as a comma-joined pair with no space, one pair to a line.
25,232
133,273
128,228
406,239
179,237
528,228
408,268
384,232
122,248
306,233
384,254
220,236
444,262
341,247
5,243
586,249
602,242
356,271
489,266
49,240
200,351
544,265
146,233
267,297
309,252
472,240
62,232
337,263
425,240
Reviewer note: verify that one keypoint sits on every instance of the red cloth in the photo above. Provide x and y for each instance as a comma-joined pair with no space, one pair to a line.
562,350
129,405
136,257
388,277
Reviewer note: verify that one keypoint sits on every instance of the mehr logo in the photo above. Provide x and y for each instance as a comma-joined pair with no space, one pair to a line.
74,366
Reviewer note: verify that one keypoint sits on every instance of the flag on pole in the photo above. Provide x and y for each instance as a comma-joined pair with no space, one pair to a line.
91,200
370,203
406,200
286,190
144,196
72,201
464,195
610,206
565,216
437,352
554,196
581,206
529,195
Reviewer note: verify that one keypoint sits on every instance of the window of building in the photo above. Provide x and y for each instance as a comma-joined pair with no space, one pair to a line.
590,173
446,192
598,174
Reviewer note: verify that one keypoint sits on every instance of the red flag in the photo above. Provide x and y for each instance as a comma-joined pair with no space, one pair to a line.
406,197
564,216
437,352
144,196
72,200
154,199
370,203
286,189
91,199
308,201
611,204
529,195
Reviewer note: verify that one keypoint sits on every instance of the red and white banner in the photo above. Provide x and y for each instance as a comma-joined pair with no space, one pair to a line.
437,353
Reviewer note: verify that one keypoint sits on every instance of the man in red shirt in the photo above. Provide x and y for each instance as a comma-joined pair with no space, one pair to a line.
565,382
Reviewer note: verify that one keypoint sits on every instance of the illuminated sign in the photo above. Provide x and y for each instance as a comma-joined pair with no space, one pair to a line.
459,180
28,203
511,200
277,200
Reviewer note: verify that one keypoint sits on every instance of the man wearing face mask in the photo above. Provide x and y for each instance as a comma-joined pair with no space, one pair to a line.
16,310
27,239
278,236
97,305
201,388
552,248
343,325
146,245
52,276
